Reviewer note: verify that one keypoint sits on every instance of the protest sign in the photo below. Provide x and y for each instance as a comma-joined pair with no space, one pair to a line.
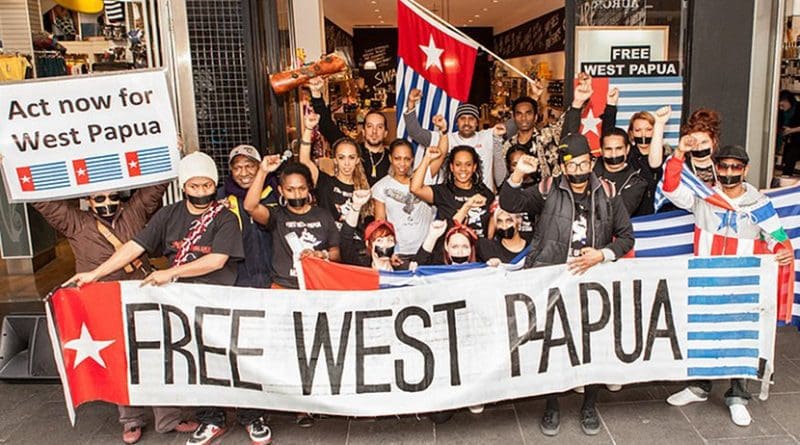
71,137
416,349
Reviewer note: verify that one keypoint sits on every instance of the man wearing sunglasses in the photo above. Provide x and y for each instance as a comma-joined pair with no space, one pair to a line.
578,222
720,231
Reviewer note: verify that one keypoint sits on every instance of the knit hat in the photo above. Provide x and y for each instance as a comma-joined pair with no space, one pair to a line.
572,146
197,164
467,110
244,150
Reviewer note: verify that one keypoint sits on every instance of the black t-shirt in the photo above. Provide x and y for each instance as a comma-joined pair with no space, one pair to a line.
334,196
651,175
488,249
164,234
448,200
315,230
380,162
581,223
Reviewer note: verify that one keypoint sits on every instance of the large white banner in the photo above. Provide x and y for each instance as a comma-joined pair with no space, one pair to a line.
70,137
417,349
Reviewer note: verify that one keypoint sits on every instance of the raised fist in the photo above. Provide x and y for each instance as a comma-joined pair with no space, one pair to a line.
360,197
499,130
686,144
437,228
613,96
270,163
440,123
413,98
536,88
583,91
433,153
662,114
527,164
476,201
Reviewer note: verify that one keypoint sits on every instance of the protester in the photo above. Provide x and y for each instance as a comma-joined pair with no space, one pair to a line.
512,157
395,203
622,176
789,123
299,228
483,142
460,245
377,250
244,162
254,270
463,198
334,192
704,127
374,155
508,243
714,225
202,241
580,224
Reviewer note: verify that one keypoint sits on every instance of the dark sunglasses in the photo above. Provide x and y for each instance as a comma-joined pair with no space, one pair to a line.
724,166
102,198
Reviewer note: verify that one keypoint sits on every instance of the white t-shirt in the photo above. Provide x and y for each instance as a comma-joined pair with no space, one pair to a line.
410,216
482,141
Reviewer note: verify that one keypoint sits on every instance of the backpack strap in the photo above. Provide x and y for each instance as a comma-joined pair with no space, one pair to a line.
111,238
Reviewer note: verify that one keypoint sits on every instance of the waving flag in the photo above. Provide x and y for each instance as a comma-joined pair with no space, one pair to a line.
324,275
635,94
672,234
434,59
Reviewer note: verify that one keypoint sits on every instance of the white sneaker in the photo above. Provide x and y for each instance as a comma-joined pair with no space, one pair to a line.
740,415
685,397
614,388
476,409
578,389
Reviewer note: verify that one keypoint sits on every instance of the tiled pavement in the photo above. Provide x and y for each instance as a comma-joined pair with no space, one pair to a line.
35,414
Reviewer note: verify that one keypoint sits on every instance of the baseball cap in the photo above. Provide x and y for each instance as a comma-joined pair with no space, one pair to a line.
572,146
732,152
244,150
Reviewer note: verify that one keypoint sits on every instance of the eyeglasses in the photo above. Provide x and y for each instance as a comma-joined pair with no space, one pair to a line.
573,167
102,198
724,166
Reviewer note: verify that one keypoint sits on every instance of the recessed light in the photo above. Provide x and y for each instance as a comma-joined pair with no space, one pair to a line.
470,20
485,9
495,1
374,2
382,21
380,17
377,10
477,16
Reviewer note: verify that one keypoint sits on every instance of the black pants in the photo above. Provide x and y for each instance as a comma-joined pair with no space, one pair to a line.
737,390
791,154
216,416
589,398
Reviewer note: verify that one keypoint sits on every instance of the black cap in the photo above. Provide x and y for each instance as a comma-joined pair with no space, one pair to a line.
572,146
732,152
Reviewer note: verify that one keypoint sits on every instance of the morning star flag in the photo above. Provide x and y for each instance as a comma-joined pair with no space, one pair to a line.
97,169
47,176
635,94
148,161
672,234
434,59
415,349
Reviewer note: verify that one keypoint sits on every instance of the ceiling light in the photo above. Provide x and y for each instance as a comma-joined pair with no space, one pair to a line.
382,22
485,9
374,2
377,10
477,16
470,20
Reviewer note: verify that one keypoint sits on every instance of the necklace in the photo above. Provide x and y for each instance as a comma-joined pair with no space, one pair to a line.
373,163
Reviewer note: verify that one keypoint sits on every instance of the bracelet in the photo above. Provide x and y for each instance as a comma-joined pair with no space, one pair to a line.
302,142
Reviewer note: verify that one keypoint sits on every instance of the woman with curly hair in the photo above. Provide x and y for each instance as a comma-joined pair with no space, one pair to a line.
463,197
704,126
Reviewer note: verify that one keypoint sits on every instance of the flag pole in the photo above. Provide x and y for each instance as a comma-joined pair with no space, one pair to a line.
461,34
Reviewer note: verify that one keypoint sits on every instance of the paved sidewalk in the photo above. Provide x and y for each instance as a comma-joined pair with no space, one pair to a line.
35,414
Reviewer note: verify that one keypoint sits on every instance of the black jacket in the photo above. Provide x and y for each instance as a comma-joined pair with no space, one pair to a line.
632,189
552,204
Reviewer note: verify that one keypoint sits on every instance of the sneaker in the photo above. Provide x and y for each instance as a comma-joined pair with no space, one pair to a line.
578,389
186,426
259,432
205,434
476,409
740,415
685,397
440,417
614,388
132,435
590,421
304,420
551,422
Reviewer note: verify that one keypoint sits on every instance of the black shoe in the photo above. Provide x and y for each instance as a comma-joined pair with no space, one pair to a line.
590,421
440,417
551,422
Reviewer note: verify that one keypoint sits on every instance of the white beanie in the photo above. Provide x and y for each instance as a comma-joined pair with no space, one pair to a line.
197,164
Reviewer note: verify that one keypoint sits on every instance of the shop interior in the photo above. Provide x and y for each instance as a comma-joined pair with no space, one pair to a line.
790,82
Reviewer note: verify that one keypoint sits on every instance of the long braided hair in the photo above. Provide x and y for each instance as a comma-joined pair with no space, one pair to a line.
359,176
